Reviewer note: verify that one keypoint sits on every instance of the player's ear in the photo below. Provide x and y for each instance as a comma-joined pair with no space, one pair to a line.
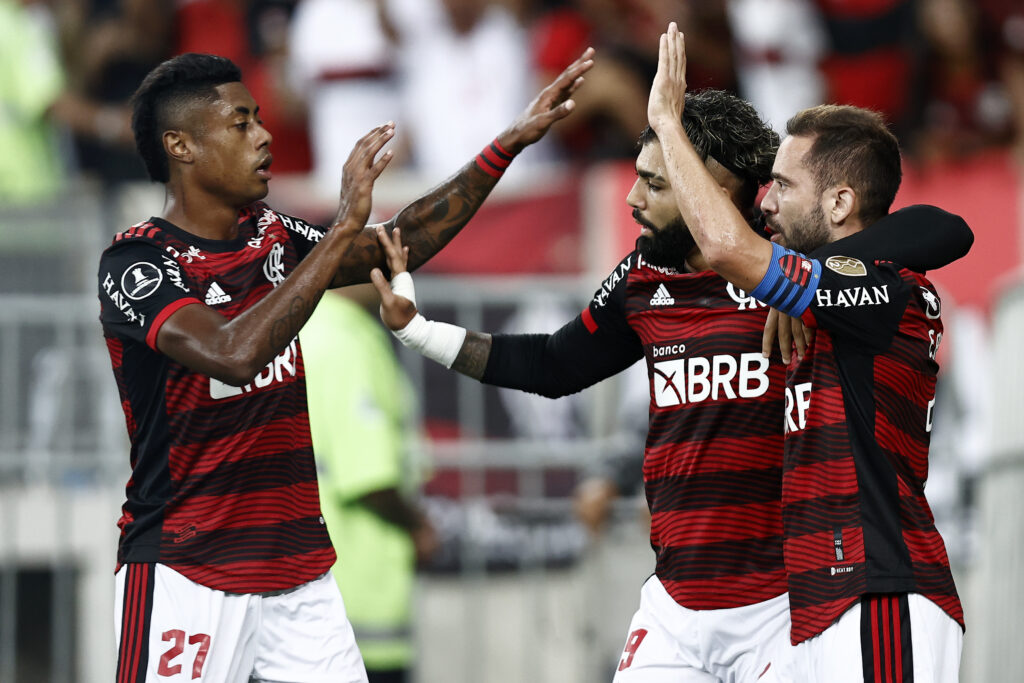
842,199
178,145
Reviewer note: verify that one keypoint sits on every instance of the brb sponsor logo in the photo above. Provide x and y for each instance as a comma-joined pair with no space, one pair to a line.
693,380
668,350
282,369
798,401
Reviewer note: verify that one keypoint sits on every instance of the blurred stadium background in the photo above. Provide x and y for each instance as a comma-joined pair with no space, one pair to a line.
520,591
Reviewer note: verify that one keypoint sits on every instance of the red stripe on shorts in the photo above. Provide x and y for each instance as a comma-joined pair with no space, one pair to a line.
886,647
133,657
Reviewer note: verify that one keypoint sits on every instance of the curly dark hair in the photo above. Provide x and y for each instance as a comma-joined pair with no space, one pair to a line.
852,146
729,129
166,95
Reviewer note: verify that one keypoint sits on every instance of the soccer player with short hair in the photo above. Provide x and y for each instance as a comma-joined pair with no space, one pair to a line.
871,593
716,607
223,557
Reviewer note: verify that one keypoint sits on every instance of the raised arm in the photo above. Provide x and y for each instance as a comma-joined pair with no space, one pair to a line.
552,365
919,237
724,238
433,220
233,351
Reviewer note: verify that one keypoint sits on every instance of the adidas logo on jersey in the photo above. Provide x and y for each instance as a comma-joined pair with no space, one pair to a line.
662,297
215,295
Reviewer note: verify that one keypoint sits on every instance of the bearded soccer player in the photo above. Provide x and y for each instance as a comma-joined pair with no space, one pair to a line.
221,535
871,594
716,608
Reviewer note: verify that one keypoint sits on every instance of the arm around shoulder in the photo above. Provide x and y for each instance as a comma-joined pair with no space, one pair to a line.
919,237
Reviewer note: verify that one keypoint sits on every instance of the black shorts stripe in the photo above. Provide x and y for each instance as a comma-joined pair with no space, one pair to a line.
885,644
137,608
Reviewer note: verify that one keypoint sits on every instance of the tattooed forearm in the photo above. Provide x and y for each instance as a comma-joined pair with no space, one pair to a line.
284,329
472,358
427,225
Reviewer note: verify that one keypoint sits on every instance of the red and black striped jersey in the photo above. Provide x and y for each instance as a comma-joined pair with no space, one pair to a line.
713,457
858,418
223,485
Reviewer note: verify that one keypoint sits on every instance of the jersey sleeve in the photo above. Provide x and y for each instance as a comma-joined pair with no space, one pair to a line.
303,234
851,298
140,286
606,312
919,237
595,345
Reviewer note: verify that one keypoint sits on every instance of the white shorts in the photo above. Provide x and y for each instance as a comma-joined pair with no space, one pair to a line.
173,630
668,643
895,638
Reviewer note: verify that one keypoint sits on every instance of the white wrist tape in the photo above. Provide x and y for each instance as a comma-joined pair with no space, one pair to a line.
401,285
437,341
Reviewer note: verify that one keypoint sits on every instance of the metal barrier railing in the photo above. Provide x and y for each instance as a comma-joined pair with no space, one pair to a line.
59,412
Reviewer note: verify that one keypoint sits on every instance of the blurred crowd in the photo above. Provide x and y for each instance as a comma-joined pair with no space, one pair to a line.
948,74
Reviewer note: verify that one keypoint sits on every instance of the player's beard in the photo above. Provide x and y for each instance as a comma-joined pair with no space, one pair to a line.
806,233
669,246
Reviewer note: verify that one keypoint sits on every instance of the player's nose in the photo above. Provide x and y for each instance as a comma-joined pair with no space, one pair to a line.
769,204
635,198
265,138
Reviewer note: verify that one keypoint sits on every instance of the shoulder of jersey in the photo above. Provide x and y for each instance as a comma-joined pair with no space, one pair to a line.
145,230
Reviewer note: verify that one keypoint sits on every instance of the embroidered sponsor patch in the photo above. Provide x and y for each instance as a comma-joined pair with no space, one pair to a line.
846,265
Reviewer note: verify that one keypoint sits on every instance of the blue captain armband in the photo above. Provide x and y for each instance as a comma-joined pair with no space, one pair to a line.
790,282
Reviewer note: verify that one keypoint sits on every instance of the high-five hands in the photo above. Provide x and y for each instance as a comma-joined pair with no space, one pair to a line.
553,103
398,305
361,170
668,91
435,340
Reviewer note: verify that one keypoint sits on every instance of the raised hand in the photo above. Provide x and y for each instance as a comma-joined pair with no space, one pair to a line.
396,310
668,91
361,170
553,103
